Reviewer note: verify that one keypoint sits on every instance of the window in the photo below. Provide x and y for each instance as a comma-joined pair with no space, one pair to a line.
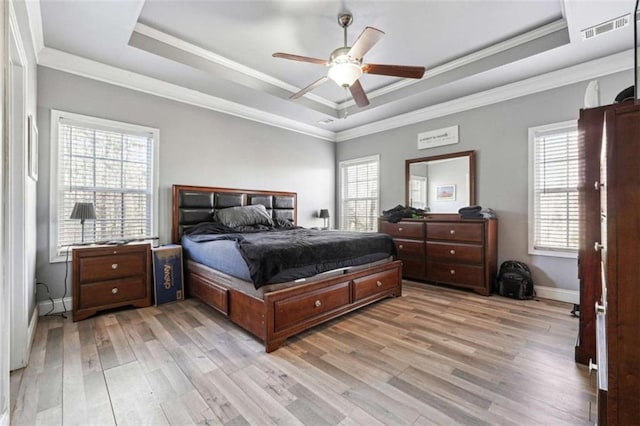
553,190
359,194
110,164
418,192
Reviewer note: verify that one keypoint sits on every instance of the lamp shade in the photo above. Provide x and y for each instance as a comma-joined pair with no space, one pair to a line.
345,73
83,211
324,213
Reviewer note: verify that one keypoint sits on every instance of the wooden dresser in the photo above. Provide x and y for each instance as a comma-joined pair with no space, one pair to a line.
618,310
106,277
446,249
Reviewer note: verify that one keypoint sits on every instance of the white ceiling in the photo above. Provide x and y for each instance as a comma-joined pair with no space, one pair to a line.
220,51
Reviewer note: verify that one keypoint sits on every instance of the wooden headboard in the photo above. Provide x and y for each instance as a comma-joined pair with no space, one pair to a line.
196,204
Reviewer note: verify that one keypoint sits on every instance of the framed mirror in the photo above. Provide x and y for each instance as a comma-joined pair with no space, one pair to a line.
442,183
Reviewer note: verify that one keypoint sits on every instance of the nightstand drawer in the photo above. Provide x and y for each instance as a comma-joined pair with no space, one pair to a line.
107,268
102,294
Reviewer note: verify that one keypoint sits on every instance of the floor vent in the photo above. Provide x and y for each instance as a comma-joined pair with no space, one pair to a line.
605,27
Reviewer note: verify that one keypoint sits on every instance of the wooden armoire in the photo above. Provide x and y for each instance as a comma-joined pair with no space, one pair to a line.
609,258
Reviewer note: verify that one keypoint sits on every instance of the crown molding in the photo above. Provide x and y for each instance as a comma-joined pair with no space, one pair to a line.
35,26
587,70
191,48
66,62
62,61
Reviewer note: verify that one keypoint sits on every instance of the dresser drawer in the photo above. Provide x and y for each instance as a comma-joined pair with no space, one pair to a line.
462,253
409,248
401,229
103,294
466,275
455,231
295,310
373,284
107,268
413,268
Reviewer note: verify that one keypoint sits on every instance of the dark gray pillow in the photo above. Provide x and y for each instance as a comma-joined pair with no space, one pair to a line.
244,216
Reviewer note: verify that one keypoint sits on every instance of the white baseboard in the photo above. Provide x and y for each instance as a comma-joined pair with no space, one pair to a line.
44,306
559,294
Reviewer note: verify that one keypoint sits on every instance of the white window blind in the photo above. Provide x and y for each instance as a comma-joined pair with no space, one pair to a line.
110,165
555,188
359,190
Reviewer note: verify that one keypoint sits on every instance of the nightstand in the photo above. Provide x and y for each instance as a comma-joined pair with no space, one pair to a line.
106,277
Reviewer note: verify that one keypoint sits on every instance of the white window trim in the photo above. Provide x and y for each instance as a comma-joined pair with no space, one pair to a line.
345,163
53,176
532,207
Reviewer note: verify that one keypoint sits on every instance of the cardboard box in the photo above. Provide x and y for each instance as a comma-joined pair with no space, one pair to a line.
167,273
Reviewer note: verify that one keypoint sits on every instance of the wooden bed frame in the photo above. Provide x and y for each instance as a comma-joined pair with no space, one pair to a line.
281,313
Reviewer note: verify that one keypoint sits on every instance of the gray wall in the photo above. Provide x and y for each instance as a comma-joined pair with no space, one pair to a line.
197,147
498,134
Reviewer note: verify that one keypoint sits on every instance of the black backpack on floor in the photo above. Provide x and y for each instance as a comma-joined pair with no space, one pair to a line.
514,280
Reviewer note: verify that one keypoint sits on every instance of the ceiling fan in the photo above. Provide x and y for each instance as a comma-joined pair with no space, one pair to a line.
346,66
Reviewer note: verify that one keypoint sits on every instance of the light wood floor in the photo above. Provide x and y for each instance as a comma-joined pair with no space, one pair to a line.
433,356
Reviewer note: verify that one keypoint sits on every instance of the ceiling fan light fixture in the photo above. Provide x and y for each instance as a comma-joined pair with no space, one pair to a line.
345,73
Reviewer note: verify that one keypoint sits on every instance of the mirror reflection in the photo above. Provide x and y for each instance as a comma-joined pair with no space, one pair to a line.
441,184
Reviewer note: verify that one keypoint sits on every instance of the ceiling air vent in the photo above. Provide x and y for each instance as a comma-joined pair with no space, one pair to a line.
605,27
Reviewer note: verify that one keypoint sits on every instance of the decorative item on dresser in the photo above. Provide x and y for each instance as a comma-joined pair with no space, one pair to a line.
106,277
446,249
618,310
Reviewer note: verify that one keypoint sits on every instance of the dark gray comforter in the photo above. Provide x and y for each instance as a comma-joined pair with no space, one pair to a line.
267,253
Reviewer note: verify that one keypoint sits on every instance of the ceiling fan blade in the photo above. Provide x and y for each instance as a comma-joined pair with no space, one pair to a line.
310,87
365,41
404,71
299,58
358,94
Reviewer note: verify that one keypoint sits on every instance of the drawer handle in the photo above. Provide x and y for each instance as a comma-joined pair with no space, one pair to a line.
400,247
592,366
317,304
400,229
597,246
452,251
114,266
452,231
114,290
453,272
378,283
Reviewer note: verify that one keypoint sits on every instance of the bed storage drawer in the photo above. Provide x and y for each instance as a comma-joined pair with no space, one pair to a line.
297,309
215,295
373,284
